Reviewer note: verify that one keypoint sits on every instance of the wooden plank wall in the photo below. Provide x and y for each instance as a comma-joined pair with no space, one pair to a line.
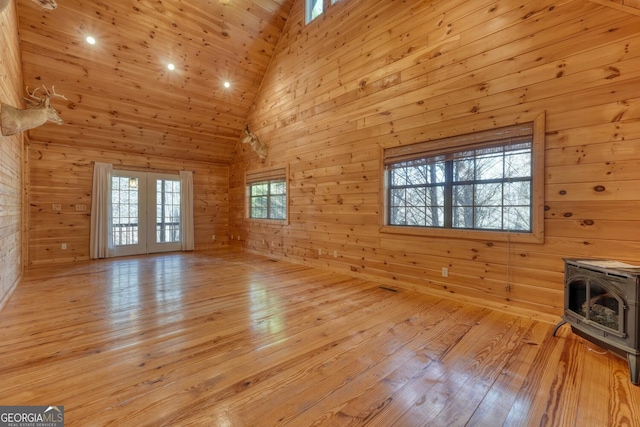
119,91
10,159
380,73
63,175
629,3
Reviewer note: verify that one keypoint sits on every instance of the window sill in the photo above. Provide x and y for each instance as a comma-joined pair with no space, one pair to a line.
266,221
465,234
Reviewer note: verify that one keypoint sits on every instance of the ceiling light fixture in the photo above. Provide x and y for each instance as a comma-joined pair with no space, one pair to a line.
171,67
91,40
227,85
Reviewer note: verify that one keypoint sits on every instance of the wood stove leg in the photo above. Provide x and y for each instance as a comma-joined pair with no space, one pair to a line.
633,368
562,322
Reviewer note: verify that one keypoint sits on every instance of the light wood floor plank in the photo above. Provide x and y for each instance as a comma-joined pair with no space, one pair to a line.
228,338
499,399
323,374
406,366
434,392
388,352
598,373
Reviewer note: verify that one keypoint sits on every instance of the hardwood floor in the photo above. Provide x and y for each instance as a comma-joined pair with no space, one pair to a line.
233,339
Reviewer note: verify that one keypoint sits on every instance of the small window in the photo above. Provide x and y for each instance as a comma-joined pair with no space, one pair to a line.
490,181
267,194
314,8
268,200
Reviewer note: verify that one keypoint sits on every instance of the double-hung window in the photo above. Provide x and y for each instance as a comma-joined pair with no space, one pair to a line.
468,185
267,194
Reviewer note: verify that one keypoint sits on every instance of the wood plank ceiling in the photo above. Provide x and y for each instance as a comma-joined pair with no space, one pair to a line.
121,95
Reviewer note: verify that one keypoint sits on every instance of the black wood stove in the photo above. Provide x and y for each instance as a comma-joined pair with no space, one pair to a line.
601,305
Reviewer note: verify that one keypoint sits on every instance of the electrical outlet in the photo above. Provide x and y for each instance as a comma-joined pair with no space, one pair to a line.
81,208
213,237
445,272
64,246
319,251
57,207
238,237
335,254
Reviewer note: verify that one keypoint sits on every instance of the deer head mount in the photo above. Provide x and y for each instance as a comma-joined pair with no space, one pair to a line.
45,4
38,112
259,147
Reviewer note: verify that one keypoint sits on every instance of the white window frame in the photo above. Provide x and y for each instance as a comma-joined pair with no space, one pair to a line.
147,243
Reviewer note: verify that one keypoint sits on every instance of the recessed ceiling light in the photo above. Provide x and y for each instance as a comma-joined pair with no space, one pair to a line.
171,67
91,40
227,85
225,1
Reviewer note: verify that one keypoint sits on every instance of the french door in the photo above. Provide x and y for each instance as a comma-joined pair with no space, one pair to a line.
145,213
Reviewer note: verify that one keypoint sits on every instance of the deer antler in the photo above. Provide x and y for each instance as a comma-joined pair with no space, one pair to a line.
47,4
36,101
54,94
51,95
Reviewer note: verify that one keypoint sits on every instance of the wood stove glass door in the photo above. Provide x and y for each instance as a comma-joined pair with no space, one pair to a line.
598,303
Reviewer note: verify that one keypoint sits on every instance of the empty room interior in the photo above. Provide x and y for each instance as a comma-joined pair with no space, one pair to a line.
320,212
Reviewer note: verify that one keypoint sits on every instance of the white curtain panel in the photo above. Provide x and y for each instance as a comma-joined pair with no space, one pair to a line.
100,212
186,207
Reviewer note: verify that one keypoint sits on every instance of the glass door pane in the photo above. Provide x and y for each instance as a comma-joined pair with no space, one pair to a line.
128,236
603,307
167,211
145,213
164,213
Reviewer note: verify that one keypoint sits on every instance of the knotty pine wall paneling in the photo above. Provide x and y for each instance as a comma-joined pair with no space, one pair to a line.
121,94
63,175
369,75
11,159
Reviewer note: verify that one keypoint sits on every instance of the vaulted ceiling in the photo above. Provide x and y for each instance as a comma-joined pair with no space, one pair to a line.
121,95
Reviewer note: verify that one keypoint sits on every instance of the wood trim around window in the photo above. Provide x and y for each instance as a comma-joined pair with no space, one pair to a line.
267,174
